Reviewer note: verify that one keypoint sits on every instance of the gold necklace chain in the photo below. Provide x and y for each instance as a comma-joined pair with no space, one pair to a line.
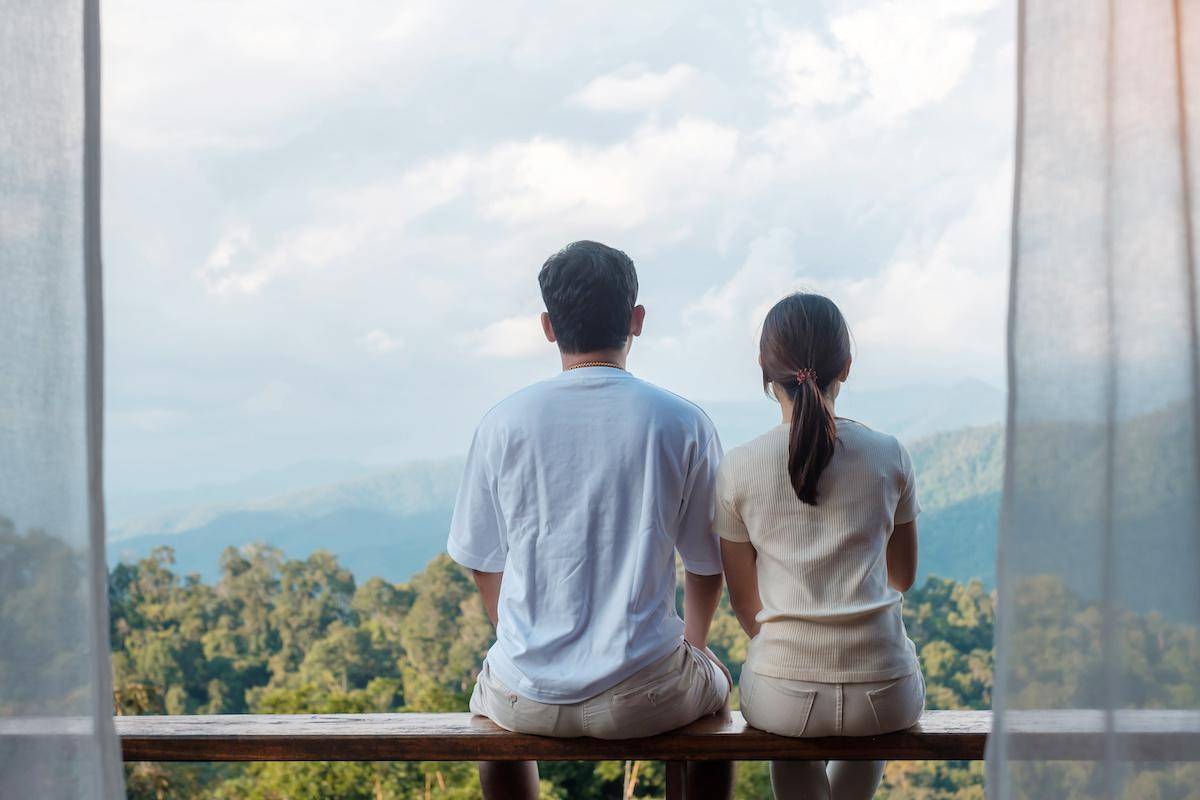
582,364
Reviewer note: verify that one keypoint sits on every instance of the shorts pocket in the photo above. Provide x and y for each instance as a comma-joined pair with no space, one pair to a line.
510,710
661,704
772,705
898,705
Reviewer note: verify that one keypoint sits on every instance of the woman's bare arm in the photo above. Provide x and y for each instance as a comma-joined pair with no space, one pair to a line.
902,556
741,575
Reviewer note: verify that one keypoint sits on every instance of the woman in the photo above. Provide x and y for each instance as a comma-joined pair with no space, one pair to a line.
818,530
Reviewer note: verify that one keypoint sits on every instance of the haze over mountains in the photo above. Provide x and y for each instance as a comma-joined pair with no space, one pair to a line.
390,522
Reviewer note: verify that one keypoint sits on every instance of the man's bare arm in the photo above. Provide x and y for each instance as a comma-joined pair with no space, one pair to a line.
489,589
701,593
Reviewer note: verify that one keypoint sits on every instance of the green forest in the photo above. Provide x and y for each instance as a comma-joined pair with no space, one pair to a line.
288,636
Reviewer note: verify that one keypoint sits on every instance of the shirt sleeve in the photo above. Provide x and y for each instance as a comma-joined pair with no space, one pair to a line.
728,521
477,529
697,543
908,506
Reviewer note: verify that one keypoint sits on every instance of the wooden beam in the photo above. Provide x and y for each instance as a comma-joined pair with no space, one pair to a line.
676,787
940,736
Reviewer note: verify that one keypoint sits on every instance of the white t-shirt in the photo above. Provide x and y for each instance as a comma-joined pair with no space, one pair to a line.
581,488
828,613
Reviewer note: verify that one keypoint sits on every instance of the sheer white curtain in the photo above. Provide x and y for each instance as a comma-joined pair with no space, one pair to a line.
56,732
1100,549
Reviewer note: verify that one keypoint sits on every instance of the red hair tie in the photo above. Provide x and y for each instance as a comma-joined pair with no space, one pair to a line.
806,374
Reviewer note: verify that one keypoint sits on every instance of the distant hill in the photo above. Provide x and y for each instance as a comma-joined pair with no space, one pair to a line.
911,412
919,411
960,478
388,523
143,508
392,522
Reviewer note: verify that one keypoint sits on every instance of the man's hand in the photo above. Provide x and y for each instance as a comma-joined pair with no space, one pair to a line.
728,675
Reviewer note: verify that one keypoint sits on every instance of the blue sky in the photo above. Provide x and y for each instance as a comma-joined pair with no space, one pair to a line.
323,230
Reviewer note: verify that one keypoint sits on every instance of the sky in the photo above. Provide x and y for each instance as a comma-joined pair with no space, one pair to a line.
323,227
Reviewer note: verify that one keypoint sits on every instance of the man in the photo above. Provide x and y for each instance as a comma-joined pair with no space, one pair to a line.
577,494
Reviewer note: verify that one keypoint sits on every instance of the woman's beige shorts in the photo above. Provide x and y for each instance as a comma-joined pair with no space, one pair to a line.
668,694
803,708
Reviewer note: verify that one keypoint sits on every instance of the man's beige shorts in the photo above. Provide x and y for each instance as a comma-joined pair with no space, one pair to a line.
668,694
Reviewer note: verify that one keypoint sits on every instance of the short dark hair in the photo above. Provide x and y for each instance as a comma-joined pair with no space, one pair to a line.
590,291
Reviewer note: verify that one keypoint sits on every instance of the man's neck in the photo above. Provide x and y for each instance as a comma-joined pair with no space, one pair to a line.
614,357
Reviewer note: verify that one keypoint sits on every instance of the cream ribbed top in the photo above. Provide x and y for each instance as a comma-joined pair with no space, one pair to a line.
828,612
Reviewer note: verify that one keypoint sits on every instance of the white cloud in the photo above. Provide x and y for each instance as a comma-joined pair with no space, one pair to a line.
634,87
884,60
379,342
236,265
513,337
219,272
934,307
345,221
767,273
204,74
809,73
656,172
221,75
659,177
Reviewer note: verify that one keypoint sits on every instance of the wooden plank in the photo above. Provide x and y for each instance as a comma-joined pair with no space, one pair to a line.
1081,735
941,735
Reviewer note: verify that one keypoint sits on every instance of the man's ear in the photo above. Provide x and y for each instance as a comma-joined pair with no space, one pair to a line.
547,328
636,320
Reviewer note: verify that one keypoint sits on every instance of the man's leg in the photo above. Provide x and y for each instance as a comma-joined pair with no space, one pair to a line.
709,780
508,780
712,779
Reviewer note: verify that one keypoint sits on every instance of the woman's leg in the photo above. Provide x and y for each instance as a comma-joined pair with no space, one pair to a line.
854,780
791,708
799,780
870,709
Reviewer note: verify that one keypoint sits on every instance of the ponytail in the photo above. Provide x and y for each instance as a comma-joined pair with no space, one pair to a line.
805,345
812,439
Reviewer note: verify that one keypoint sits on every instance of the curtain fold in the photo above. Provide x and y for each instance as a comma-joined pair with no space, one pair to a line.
56,732
1099,563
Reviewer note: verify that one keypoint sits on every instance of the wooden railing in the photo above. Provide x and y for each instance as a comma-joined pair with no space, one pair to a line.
940,736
